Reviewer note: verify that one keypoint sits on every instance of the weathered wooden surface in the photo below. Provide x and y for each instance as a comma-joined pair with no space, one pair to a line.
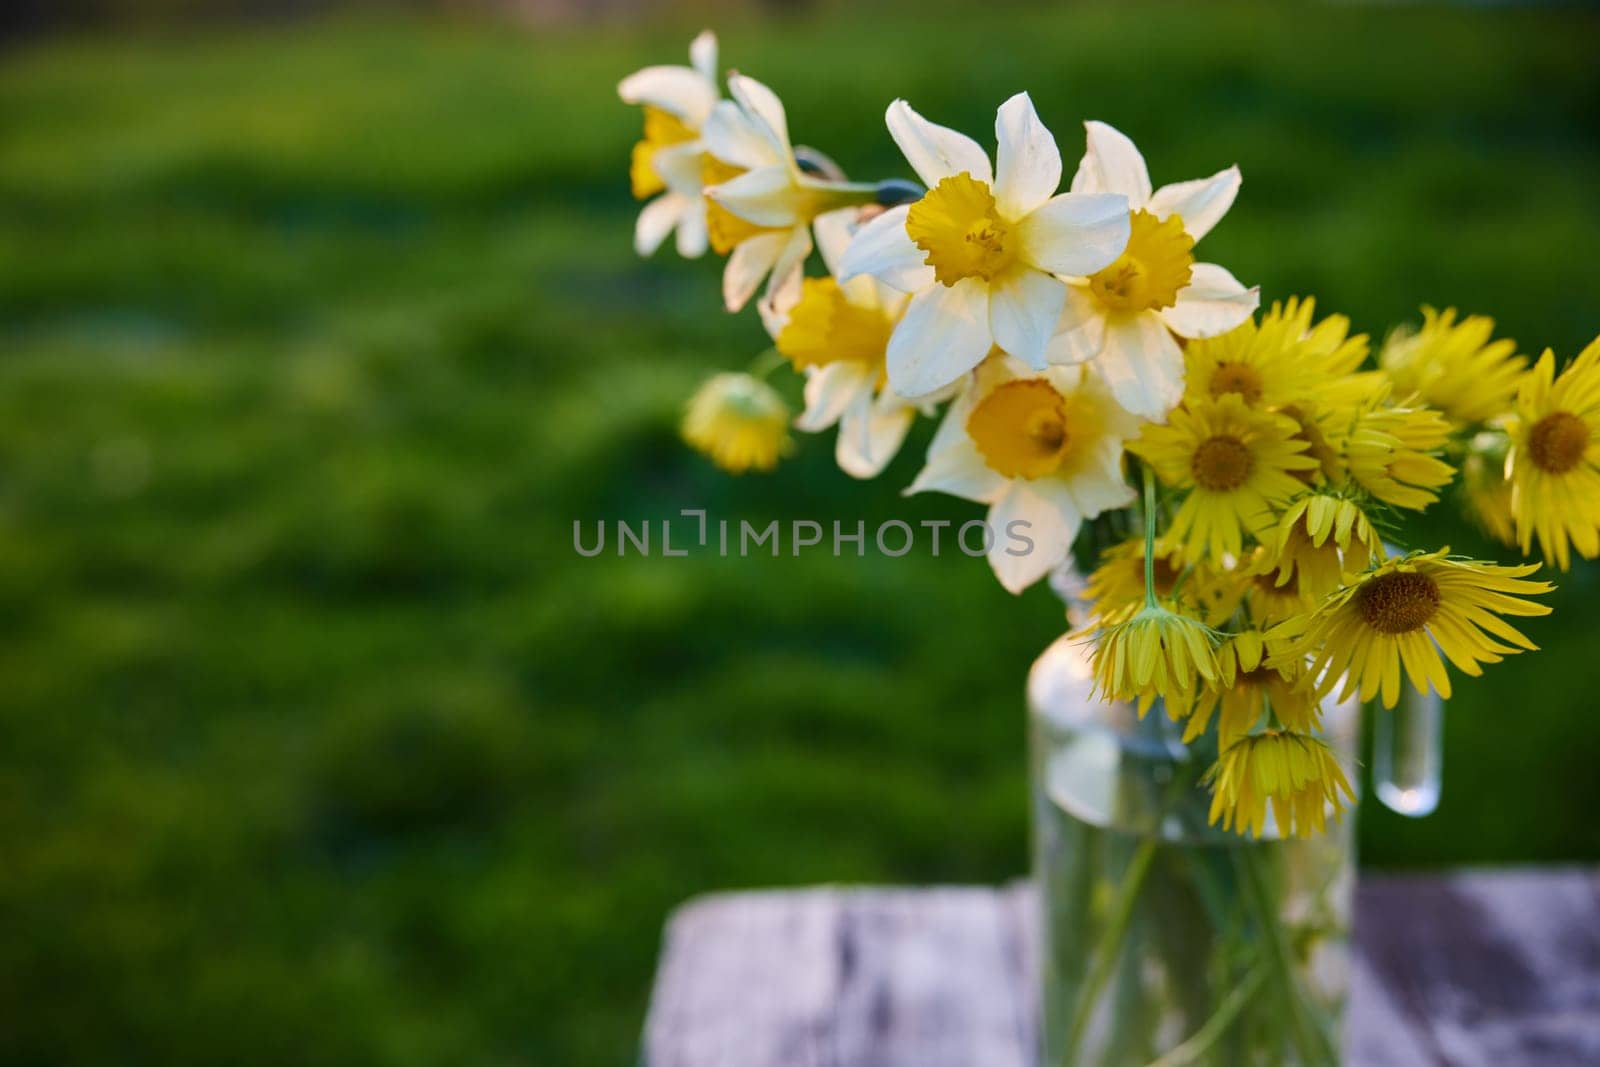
1472,970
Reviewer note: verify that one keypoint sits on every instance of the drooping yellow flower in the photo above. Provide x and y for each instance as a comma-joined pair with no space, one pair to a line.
1554,461
1389,452
1250,682
1406,611
1152,652
1485,488
1297,773
1266,600
1117,583
739,421
1320,538
1454,366
1238,465
1282,360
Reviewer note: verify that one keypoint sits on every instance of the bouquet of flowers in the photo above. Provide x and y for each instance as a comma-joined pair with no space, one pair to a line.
1236,477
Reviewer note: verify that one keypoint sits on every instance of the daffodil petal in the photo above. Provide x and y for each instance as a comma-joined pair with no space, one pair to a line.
1142,364
883,249
1046,517
733,137
764,196
748,263
935,152
1024,307
1213,303
679,90
1200,203
656,221
1027,161
1075,233
944,334
1111,164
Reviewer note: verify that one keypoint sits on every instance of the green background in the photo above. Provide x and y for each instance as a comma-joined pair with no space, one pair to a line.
318,742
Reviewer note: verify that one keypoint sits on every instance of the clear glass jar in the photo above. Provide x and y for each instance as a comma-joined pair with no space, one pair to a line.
1166,940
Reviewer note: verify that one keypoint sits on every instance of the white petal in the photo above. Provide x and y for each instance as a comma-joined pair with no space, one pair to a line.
692,237
830,390
1081,331
790,260
1100,486
1200,203
764,196
763,105
1024,308
1142,364
1046,517
944,334
679,167
655,222
954,465
1075,233
870,436
774,308
1027,163
679,90
703,55
733,137
883,249
747,265
834,232
1111,164
935,152
1213,303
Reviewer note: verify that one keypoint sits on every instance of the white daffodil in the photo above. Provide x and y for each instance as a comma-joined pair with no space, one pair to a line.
1041,449
1124,316
836,334
761,202
677,102
981,250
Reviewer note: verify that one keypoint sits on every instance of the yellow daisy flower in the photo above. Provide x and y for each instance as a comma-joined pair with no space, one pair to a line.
1296,772
1238,465
1389,453
1320,538
739,421
1554,462
1406,611
1275,362
1250,683
1485,488
1454,366
1151,652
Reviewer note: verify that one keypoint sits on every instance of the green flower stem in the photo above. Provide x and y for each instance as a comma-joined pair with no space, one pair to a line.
1310,1040
1149,537
765,363
1109,948
1201,1041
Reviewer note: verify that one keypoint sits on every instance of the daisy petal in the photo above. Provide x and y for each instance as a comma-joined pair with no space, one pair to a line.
944,334
747,265
935,152
1200,203
1213,303
679,90
883,249
1024,308
1033,525
656,221
1142,364
1027,163
1111,164
1075,233
733,137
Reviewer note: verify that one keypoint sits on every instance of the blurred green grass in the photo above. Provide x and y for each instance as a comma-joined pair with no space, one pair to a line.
318,743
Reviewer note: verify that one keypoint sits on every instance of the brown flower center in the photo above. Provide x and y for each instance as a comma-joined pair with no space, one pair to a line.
1222,463
1558,441
1398,602
1239,378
